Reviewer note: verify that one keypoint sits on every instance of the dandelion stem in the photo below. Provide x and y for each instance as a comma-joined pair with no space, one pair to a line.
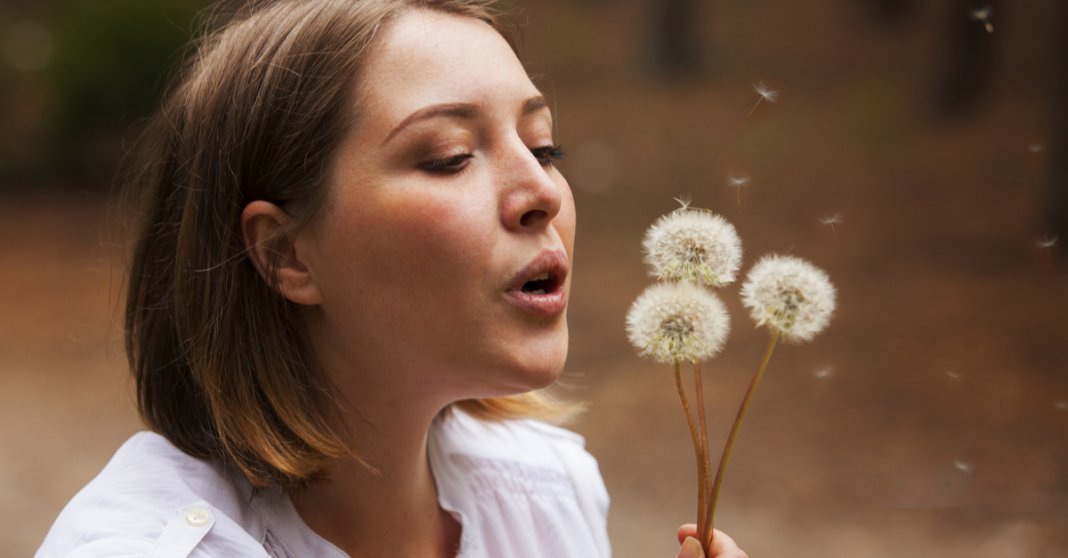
754,107
702,481
706,462
706,535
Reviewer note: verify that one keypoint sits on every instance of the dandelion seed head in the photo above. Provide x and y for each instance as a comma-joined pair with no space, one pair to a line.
737,181
765,92
1046,242
790,296
693,245
681,322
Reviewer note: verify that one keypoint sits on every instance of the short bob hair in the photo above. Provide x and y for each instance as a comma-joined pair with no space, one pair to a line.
219,359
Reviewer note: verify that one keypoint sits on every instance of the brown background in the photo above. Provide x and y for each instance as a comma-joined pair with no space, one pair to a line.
929,420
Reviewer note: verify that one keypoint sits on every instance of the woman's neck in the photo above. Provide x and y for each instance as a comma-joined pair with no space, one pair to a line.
392,509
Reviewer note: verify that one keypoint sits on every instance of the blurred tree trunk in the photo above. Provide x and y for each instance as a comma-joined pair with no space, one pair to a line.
675,41
1059,149
969,63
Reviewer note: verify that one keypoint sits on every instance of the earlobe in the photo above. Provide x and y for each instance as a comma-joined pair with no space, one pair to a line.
272,247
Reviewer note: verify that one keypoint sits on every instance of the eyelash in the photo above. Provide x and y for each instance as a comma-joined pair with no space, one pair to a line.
545,155
448,165
548,153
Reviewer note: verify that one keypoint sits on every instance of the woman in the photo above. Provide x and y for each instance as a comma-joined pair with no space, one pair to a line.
353,264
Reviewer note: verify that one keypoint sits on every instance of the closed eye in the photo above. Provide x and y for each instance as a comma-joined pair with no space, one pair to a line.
446,165
546,154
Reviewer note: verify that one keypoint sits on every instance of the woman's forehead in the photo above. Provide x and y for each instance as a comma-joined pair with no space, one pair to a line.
426,58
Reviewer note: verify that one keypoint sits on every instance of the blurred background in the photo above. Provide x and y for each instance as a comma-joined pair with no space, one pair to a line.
917,151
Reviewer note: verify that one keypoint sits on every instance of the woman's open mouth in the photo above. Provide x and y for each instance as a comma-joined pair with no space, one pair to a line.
539,287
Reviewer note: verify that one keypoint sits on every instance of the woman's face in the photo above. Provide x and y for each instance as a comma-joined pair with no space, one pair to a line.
443,256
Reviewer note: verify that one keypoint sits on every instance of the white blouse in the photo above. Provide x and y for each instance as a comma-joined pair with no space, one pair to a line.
518,488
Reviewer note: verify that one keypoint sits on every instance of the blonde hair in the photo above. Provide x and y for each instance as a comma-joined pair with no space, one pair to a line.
221,367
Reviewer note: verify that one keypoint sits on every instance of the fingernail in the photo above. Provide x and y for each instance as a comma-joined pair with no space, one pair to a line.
691,548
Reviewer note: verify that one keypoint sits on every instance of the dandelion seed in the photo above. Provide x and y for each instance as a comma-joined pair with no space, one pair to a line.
983,15
738,182
963,466
684,203
1036,148
954,375
823,373
693,245
677,322
764,93
832,221
790,296
1061,405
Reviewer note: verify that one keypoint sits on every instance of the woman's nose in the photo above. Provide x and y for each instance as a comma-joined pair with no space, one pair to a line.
531,197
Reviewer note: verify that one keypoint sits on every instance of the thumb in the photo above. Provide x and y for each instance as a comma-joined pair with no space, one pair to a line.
691,548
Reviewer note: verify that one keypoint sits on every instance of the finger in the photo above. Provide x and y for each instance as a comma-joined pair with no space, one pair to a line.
724,547
687,530
691,548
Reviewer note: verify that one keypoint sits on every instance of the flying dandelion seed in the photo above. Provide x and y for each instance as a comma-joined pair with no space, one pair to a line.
1046,243
963,466
983,15
738,182
693,245
954,375
677,322
823,373
1061,405
1036,148
684,203
790,296
764,93
832,221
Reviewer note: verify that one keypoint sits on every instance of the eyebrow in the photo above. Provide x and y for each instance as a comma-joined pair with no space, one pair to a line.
459,110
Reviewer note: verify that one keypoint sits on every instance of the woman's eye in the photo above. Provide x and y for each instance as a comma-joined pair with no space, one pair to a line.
447,165
547,153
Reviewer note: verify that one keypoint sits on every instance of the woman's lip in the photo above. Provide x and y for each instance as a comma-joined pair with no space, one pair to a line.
552,262
548,304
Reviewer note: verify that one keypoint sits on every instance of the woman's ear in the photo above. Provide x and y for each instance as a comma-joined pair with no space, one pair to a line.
272,247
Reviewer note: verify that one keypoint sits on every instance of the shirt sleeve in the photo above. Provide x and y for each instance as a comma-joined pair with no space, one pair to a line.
115,547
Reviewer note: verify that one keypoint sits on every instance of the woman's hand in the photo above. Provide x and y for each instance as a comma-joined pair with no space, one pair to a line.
722,545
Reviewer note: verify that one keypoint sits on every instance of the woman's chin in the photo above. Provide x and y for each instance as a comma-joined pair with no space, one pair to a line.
545,363
529,372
